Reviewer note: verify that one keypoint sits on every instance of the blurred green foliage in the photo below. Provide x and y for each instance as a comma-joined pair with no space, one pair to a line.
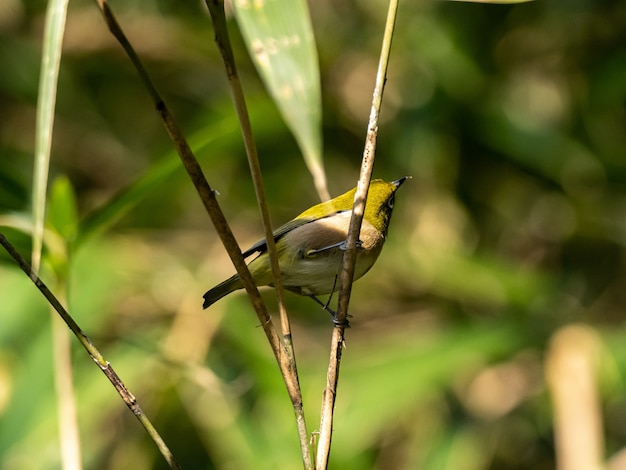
511,120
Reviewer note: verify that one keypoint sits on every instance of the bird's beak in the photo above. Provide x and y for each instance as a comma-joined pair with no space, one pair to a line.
398,183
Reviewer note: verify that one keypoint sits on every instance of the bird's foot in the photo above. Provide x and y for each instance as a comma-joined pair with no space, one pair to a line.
344,245
336,321
341,324
341,245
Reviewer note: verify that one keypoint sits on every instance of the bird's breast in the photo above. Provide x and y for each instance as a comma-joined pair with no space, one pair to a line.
312,253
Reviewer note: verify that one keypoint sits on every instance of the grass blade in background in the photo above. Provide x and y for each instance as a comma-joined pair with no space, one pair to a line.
218,136
50,63
280,39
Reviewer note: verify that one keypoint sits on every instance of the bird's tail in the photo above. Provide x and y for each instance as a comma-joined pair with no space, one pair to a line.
221,290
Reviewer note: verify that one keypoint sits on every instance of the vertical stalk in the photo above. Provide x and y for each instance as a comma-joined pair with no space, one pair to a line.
287,362
349,258
46,99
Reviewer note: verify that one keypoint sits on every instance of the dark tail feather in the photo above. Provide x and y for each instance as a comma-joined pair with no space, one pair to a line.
221,290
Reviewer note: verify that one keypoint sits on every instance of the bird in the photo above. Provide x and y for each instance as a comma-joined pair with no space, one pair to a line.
310,247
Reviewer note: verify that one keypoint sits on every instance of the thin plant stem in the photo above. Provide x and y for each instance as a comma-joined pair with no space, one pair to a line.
349,258
94,353
216,9
63,373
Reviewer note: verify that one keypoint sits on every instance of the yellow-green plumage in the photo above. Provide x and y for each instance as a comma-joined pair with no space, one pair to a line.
310,250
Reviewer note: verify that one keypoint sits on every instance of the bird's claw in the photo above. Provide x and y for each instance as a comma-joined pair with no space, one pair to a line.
341,324
344,245
336,322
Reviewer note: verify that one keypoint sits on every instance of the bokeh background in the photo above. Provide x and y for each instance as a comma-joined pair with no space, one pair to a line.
502,282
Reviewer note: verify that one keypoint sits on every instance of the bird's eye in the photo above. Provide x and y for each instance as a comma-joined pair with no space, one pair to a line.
390,202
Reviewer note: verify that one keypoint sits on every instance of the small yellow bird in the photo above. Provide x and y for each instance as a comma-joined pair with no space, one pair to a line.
310,247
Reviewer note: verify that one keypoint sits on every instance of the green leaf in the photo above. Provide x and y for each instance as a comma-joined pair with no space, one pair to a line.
50,63
213,139
62,208
215,136
280,39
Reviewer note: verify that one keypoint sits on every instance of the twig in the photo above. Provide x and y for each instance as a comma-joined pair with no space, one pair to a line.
105,367
349,258
288,365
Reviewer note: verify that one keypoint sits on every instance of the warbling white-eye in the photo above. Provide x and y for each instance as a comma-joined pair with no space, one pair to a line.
310,247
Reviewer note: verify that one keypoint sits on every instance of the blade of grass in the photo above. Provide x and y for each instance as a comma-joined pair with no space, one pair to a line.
50,63
279,37
215,136
127,198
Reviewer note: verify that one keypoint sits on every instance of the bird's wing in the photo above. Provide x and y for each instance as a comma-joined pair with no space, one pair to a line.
261,245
